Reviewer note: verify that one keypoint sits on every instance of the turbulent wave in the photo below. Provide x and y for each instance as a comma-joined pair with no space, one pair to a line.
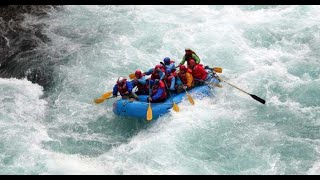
22,50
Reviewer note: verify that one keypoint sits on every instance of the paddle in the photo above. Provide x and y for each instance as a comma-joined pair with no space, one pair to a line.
217,69
132,76
189,96
175,107
149,111
252,95
103,97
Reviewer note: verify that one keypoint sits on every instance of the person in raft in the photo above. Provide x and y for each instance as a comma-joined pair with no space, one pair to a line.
125,89
169,64
141,83
157,72
198,72
158,91
189,54
184,79
170,80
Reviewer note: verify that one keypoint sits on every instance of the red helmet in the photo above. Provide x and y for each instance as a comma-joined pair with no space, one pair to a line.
158,66
138,73
192,62
183,68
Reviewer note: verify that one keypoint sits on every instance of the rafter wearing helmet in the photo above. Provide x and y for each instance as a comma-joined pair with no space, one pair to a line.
124,88
184,79
198,72
169,64
158,72
141,82
189,54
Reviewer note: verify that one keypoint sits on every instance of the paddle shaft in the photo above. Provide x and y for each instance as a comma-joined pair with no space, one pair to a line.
149,110
168,91
257,98
112,97
236,87
175,107
150,90
182,83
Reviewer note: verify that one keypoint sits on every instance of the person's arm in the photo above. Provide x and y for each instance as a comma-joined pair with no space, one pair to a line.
183,60
115,90
134,83
195,57
172,66
158,94
178,81
149,72
150,83
173,80
161,74
129,87
142,80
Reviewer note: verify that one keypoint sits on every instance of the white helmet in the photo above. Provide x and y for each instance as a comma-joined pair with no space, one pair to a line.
120,80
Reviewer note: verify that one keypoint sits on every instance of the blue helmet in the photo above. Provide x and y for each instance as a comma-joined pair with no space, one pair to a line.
166,60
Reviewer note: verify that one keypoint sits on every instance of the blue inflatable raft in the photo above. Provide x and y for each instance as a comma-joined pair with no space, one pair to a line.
139,108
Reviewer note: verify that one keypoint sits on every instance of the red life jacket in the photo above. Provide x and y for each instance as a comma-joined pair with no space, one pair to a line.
155,75
155,90
162,68
168,80
174,74
198,72
122,89
142,87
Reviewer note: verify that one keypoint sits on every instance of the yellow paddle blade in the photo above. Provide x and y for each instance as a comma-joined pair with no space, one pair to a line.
106,95
175,107
149,113
98,101
132,76
217,69
103,97
190,99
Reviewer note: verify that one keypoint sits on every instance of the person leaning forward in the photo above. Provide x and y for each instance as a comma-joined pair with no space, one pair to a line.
188,56
124,88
